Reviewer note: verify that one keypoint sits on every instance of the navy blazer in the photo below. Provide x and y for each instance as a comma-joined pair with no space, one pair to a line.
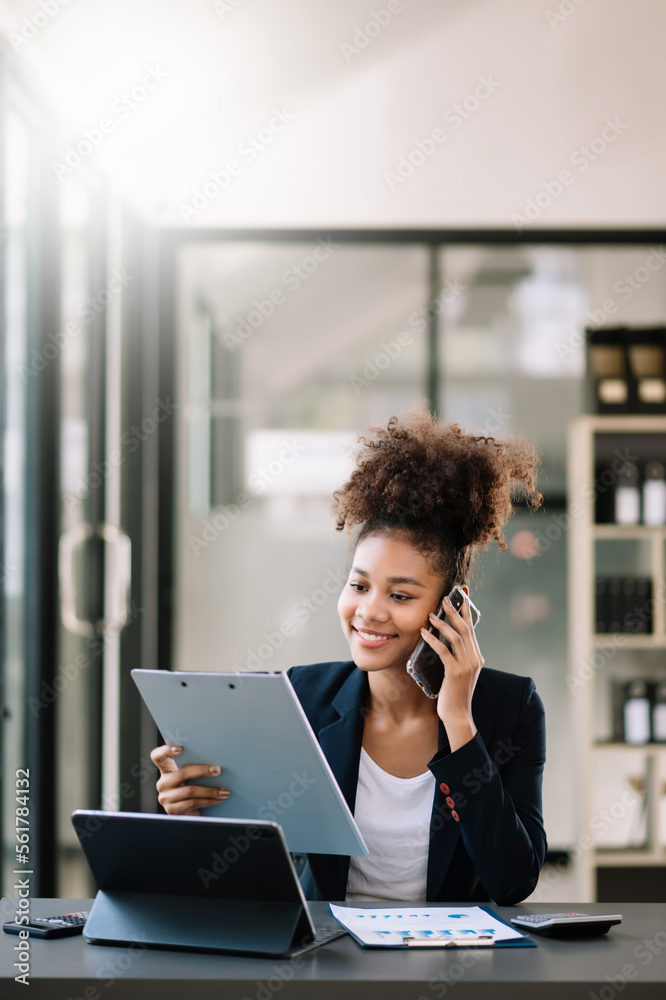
496,846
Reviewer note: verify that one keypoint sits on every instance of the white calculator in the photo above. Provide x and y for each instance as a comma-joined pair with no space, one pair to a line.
567,924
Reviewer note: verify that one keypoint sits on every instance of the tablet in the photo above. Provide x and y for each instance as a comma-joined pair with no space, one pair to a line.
254,727
195,883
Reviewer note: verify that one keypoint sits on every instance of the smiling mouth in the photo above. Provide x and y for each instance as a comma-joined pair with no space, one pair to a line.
373,636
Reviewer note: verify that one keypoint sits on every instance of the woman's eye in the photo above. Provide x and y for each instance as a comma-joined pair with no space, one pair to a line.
402,597
357,586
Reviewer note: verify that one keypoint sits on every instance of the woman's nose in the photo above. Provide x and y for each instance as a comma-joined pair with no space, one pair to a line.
371,608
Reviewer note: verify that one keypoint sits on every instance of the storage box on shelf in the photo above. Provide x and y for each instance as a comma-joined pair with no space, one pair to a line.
631,557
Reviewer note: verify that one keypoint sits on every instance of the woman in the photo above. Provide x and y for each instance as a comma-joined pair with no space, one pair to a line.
446,792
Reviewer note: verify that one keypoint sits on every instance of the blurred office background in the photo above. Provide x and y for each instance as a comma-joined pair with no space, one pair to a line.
231,240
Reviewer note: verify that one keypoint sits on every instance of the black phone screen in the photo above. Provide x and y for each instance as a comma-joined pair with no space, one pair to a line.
424,665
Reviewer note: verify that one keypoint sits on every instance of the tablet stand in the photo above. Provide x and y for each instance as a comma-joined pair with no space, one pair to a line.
157,920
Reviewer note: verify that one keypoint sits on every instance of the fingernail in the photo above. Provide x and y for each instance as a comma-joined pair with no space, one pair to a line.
447,601
424,631
175,749
214,769
222,793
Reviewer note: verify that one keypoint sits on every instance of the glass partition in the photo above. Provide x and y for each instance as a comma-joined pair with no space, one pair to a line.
283,354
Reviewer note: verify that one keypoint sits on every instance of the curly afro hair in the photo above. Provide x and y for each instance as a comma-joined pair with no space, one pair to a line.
448,491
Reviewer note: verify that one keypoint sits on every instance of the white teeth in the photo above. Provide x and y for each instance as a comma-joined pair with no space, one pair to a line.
372,638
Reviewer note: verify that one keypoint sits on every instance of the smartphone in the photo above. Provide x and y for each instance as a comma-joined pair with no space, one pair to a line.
424,665
50,927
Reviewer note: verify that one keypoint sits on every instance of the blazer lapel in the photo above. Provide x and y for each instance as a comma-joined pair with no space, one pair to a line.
341,740
341,743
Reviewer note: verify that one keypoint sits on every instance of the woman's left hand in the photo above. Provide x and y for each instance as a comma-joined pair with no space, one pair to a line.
462,667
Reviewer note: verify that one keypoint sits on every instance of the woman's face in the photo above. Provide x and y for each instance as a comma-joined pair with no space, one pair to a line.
386,601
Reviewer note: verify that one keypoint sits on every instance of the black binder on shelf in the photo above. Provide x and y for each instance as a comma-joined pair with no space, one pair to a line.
615,604
194,883
602,606
642,609
623,605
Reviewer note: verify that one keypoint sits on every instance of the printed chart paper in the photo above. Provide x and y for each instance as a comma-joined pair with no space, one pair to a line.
423,926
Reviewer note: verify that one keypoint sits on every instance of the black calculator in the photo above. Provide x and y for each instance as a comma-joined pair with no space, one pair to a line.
567,924
50,927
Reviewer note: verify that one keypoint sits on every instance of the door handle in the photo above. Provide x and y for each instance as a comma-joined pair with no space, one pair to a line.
118,549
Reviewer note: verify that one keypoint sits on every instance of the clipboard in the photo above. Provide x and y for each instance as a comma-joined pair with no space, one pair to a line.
429,926
254,726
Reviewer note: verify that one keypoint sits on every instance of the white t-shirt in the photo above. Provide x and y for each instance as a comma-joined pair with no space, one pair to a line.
393,815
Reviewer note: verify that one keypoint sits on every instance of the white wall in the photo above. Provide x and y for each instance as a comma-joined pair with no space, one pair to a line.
356,113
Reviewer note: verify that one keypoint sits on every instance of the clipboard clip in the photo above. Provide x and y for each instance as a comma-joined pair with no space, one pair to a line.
442,942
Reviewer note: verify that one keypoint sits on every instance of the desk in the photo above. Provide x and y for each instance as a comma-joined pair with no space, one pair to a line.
633,955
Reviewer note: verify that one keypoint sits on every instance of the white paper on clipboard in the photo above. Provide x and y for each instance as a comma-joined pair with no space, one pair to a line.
424,926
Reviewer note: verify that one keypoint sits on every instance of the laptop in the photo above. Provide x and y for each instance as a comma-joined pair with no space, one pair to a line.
196,883
254,726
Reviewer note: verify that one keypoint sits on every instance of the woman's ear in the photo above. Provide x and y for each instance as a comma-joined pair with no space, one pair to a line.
463,586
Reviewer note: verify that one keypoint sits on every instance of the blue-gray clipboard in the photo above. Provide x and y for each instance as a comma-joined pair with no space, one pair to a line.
254,726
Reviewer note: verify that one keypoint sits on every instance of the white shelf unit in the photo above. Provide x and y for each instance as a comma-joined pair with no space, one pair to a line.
586,664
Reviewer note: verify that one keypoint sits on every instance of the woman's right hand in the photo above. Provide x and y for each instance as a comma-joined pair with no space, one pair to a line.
174,795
